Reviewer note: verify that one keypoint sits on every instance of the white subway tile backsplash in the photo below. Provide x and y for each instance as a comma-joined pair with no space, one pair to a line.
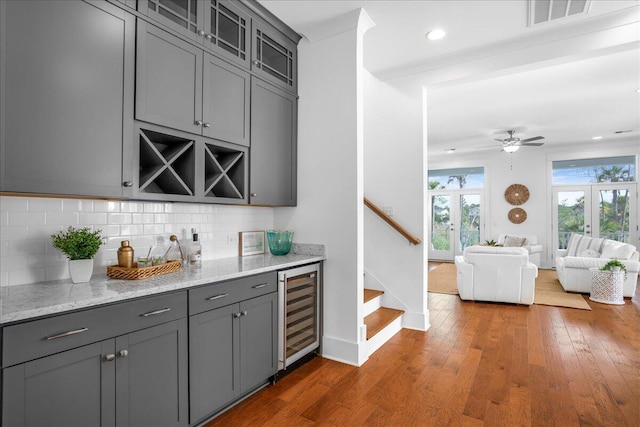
161,219
132,229
62,218
13,233
153,228
92,218
154,207
31,275
26,218
119,218
9,204
139,218
45,205
27,256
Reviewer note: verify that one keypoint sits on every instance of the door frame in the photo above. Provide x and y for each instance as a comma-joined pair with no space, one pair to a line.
592,205
454,221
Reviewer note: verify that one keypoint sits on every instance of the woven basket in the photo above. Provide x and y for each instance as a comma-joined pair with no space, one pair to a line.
117,272
607,286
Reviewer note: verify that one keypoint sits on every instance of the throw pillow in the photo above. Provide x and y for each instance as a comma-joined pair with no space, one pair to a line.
511,241
618,250
590,253
572,246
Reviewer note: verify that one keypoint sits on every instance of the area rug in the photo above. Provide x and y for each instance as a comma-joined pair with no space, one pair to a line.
442,280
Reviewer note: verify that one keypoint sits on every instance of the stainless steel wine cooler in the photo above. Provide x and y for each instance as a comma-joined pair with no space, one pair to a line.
299,313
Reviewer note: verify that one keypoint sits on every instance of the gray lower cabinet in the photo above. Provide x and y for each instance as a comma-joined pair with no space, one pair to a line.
273,170
137,378
67,71
180,86
232,352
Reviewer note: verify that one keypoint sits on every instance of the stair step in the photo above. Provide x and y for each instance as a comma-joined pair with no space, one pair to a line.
370,294
380,318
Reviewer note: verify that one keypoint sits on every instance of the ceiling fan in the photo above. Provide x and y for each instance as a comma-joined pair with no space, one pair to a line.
513,144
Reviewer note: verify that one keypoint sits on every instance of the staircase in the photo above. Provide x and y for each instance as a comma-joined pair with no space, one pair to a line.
382,322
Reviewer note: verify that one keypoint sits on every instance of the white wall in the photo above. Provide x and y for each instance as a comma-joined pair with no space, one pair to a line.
394,176
26,224
330,180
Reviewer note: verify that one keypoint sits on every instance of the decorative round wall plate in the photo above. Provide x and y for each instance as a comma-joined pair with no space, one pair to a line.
516,194
517,215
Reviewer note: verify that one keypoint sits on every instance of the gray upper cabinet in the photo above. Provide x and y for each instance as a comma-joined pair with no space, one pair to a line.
182,87
219,25
168,80
273,146
67,98
273,56
226,100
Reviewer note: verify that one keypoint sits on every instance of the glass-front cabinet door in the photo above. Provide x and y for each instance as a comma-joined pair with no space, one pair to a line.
184,16
226,30
274,56
219,25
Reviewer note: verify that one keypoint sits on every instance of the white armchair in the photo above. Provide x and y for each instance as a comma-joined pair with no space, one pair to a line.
488,273
530,244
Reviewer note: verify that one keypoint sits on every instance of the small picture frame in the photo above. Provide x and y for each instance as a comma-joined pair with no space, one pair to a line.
251,242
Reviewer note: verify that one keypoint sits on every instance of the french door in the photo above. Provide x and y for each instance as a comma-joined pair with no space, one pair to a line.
598,210
456,222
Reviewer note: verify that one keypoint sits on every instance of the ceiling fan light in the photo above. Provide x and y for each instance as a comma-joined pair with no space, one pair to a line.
436,34
511,148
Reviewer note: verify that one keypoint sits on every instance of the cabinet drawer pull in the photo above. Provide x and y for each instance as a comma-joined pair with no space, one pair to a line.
153,313
67,334
260,286
215,297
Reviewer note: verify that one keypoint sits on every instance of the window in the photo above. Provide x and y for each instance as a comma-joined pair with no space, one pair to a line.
457,178
594,171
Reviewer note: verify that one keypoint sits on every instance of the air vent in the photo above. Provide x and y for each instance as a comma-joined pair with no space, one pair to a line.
548,10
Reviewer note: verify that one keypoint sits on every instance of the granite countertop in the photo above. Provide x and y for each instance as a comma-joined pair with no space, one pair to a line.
23,302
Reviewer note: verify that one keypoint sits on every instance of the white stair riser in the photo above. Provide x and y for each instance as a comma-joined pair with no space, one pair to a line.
372,305
376,341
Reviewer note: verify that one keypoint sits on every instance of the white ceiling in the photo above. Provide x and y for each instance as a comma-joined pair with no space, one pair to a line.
550,79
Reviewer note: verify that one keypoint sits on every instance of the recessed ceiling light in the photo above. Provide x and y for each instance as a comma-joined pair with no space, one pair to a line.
597,137
450,150
436,34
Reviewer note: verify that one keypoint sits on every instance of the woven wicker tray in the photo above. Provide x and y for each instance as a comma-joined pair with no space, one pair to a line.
117,272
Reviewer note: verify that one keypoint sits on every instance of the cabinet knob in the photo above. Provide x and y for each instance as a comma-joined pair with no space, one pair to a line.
201,32
110,357
236,315
124,353
244,312
206,124
256,62
128,184
208,36
254,194
198,122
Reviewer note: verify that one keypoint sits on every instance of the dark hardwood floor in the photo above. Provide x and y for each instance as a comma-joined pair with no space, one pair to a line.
479,364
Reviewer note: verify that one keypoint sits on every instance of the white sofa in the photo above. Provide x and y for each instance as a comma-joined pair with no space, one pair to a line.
488,273
584,252
530,244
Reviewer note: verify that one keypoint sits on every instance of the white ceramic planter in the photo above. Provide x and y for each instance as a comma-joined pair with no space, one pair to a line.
80,270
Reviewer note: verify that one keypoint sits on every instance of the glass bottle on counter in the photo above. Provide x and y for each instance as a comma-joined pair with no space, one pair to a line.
195,251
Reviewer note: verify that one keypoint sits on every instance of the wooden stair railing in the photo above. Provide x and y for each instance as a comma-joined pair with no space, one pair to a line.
400,229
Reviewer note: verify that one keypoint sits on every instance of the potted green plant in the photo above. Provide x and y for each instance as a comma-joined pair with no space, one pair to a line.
615,265
80,245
